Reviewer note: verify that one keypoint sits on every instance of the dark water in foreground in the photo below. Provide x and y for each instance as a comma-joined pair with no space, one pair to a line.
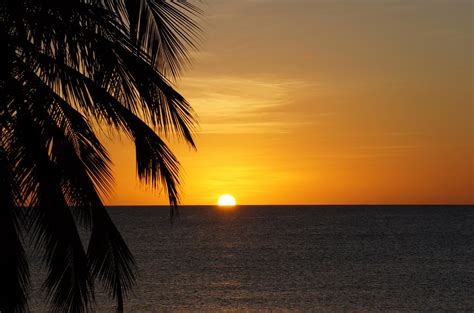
291,258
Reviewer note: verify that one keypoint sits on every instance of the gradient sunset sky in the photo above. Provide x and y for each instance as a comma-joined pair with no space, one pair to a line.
325,102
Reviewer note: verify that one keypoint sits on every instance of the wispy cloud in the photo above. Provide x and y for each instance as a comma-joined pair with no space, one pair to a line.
242,105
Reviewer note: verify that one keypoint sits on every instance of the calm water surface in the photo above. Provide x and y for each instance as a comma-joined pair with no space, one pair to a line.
299,258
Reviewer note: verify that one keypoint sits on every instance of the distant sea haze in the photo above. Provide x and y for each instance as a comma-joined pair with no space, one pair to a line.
296,258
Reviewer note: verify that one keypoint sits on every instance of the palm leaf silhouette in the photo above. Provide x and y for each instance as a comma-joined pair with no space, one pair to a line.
69,66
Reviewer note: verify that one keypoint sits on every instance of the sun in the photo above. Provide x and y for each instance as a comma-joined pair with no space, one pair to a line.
226,200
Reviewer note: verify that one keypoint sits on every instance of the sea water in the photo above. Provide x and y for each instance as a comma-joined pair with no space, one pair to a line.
297,258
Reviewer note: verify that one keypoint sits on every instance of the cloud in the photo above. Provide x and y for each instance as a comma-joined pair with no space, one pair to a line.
242,105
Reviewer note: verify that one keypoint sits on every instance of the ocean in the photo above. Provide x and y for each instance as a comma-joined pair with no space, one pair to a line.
297,258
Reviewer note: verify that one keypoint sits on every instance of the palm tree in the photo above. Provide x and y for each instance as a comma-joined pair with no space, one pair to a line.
69,69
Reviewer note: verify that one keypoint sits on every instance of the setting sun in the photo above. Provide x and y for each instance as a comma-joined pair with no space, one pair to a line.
226,200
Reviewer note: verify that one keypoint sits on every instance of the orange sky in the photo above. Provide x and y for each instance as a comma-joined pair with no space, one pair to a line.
325,102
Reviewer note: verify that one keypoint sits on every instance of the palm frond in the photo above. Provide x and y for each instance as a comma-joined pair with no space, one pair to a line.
142,89
156,164
111,110
15,273
110,259
69,65
161,104
108,256
68,280
164,30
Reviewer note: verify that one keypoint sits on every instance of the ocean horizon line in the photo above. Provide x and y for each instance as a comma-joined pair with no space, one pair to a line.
299,205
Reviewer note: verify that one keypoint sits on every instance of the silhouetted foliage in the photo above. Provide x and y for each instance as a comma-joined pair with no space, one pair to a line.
69,68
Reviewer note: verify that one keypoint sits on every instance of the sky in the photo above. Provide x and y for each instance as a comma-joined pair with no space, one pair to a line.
324,102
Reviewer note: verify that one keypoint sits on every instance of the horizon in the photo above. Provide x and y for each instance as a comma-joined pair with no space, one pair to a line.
289,205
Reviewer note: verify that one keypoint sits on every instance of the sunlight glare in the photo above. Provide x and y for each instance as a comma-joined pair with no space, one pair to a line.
226,200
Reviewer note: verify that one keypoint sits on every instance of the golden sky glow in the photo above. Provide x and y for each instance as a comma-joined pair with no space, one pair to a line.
326,102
